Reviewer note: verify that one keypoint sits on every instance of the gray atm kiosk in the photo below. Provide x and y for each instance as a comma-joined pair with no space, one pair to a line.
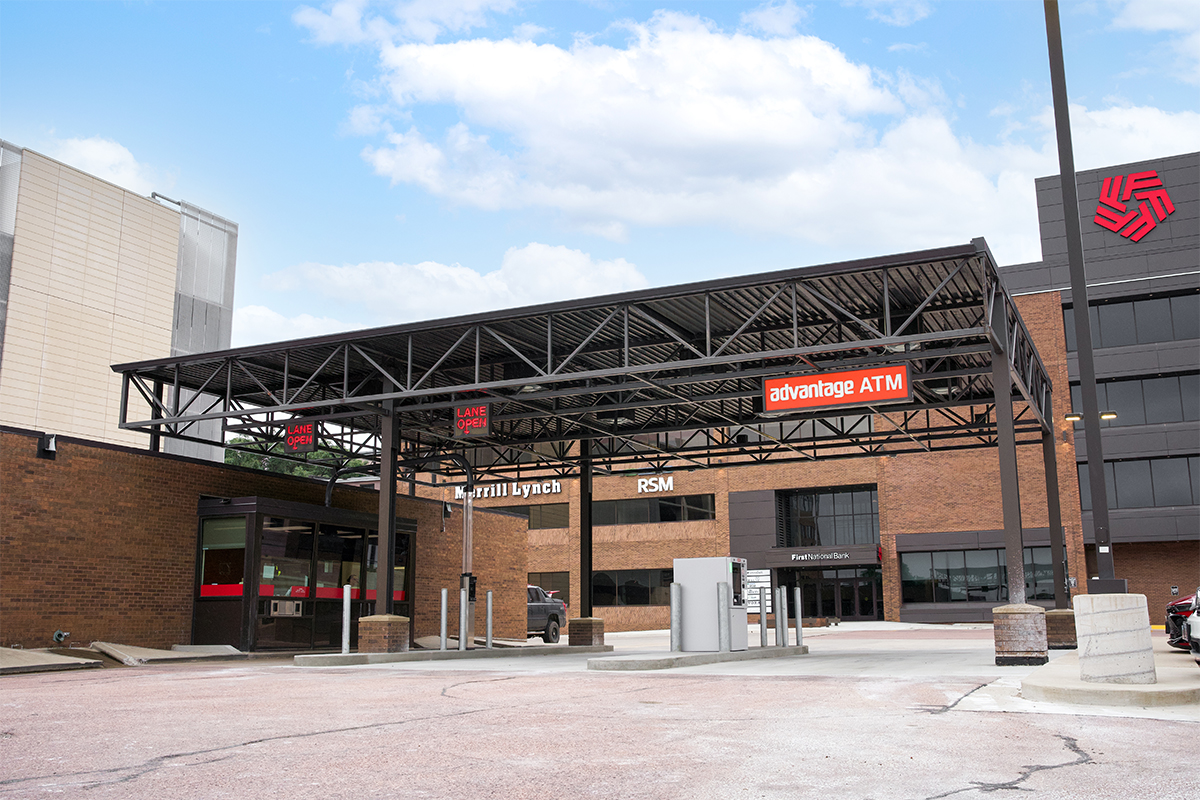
698,578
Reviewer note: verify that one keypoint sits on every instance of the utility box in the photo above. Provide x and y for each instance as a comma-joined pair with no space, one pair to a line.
698,579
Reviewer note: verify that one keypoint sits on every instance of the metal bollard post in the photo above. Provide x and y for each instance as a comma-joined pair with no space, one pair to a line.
762,616
489,622
445,598
346,619
676,617
724,592
779,623
783,611
799,618
462,619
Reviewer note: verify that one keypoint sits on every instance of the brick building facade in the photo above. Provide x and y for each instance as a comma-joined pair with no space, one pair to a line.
101,541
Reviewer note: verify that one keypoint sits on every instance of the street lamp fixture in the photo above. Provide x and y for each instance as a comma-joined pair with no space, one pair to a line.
1108,415
1072,416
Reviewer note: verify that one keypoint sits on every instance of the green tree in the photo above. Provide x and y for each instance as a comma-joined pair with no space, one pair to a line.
318,464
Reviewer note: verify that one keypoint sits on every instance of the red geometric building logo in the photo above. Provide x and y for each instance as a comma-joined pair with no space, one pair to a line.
1114,212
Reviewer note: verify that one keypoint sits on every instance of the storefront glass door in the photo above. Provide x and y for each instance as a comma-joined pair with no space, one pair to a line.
853,593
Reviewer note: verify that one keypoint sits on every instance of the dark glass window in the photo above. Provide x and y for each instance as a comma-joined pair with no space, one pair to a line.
547,515
1117,325
950,576
1125,397
1145,401
632,587
1189,395
827,517
1172,486
984,570
1155,319
1185,317
1145,483
556,584
222,556
604,588
637,510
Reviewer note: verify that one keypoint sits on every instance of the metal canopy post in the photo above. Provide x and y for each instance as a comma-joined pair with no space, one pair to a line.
385,553
1007,441
1058,545
1079,299
585,527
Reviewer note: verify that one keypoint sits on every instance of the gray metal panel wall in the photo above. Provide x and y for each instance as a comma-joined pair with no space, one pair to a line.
752,526
207,265
10,178
1166,260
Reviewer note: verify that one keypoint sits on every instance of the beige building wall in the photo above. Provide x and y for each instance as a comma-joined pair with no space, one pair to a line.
93,284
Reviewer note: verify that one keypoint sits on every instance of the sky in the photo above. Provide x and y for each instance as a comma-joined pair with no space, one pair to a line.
403,161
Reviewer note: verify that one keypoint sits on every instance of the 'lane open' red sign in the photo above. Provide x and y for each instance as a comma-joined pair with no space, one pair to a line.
301,437
855,387
473,420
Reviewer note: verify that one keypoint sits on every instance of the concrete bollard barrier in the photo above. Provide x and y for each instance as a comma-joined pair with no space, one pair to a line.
1113,633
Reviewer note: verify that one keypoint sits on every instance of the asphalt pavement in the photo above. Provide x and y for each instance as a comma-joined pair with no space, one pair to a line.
875,710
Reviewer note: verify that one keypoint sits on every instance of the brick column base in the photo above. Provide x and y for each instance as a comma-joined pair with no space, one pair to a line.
1060,629
383,633
586,631
1020,632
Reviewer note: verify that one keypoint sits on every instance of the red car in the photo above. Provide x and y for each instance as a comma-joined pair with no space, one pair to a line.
1177,612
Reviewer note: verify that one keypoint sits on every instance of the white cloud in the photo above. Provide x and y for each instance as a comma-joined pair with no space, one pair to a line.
526,31
1178,16
775,18
258,324
689,125
900,13
349,21
391,293
907,47
106,159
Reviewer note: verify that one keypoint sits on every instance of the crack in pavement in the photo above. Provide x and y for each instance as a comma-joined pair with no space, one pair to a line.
124,774
1027,771
942,709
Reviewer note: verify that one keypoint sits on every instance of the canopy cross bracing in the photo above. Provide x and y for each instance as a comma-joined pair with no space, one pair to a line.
656,379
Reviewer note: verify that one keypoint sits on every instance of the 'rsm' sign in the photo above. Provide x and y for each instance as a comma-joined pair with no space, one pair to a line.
662,484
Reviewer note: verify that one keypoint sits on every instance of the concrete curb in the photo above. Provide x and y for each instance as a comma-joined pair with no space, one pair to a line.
356,659
1059,682
16,662
133,656
673,660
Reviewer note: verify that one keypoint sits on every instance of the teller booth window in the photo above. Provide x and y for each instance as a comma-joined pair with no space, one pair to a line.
292,562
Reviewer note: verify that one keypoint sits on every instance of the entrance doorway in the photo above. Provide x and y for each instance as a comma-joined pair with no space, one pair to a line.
271,573
846,593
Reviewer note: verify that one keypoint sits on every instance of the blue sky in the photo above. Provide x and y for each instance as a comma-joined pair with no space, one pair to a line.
410,160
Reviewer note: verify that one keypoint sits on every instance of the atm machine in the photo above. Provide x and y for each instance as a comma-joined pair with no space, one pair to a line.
698,579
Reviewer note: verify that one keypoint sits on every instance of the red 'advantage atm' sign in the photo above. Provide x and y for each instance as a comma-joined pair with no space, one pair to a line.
855,387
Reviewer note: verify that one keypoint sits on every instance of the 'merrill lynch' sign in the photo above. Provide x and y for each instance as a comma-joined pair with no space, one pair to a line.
473,420
855,387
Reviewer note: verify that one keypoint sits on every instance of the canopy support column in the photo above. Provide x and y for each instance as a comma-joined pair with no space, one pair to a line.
585,528
389,434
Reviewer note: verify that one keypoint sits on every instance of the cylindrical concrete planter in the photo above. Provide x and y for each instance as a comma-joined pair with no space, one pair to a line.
1114,638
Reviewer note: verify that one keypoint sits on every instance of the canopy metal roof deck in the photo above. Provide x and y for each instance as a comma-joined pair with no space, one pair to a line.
651,380
660,378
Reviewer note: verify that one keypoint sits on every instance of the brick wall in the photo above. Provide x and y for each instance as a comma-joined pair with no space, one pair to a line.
1152,568
101,542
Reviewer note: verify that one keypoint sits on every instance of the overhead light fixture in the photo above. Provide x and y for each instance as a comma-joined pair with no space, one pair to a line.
1072,416
1108,415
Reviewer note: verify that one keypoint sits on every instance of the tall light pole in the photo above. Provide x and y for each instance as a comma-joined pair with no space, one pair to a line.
1079,298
